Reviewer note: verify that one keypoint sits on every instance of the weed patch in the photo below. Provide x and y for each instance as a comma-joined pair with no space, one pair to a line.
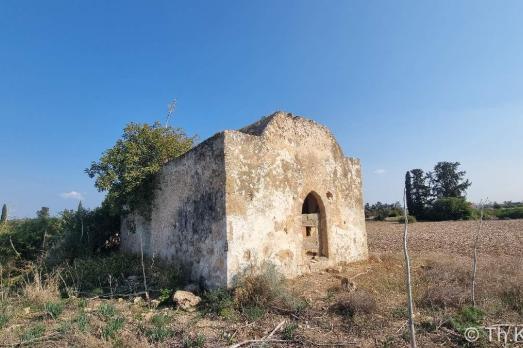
219,302
289,331
112,327
33,333
253,313
54,309
159,329
107,310
194,342
4,319
467,317
82,321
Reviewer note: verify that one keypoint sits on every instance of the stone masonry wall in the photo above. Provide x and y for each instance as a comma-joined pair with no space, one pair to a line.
271,167
187,226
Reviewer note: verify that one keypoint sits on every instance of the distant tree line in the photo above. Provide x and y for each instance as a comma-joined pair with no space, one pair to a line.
505,210
380,211
438,194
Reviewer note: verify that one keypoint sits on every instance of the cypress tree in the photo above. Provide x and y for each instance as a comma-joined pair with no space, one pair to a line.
408,193
4,214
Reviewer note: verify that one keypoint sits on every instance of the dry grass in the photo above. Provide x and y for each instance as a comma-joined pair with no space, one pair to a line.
39,290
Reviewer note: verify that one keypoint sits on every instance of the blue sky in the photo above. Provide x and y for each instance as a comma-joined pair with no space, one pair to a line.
402,84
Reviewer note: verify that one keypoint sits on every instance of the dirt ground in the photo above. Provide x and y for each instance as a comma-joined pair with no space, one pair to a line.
497,237
449,244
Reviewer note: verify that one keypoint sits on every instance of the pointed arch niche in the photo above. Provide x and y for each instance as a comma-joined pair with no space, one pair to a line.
314,226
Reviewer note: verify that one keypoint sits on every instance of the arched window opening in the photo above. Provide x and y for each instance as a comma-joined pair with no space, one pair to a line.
314,226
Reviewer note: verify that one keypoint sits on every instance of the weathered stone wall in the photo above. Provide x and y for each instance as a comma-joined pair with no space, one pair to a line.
271,167
187,226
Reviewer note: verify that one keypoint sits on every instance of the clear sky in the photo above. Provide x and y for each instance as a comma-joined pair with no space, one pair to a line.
402,84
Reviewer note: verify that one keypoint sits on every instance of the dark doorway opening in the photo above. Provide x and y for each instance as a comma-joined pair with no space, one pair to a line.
314,226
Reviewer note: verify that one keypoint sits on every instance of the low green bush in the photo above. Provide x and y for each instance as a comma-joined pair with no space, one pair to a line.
510,213
67,236
467,317
219,302
449,208
410,219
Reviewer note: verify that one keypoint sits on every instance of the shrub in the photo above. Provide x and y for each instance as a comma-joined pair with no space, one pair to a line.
466,317
510,213
449,208
410,218
25,238
381,211
358,302
70,235
165,295
219,302
85,232
265,288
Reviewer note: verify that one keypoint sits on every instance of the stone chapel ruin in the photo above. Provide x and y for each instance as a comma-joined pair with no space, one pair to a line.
279,191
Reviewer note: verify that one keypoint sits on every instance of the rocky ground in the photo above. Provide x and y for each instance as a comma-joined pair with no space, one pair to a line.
359,305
